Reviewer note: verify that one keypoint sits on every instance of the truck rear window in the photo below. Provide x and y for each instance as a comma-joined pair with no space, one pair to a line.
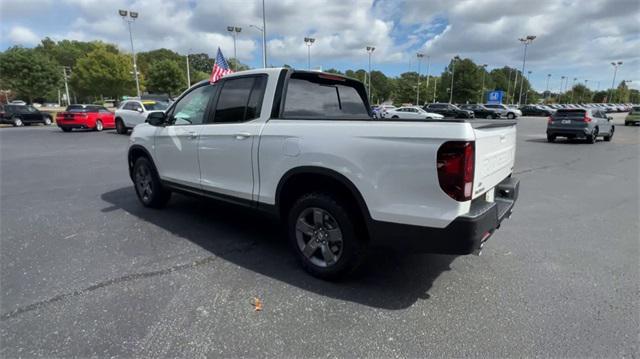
319,96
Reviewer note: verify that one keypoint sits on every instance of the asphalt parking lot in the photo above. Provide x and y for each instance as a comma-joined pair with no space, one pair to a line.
87,271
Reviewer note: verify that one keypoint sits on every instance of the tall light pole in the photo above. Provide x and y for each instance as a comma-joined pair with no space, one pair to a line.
585,90
428,73
483,67
133,15
526,95
526,41
573,84
370,50
66,86
235,30
509,83
546,92
420,56
560,90
309,41
435,88
188,71
264,37
264,48
613,83
515,85
453,72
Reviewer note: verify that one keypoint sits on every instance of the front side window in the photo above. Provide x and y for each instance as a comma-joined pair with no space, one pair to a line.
155,105
191,109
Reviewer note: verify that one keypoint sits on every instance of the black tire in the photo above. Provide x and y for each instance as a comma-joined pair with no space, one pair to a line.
511,116
396,117
489,117
99,126
551,138
47,121
593,137
65,129
608,137
147,184
348,253
120,127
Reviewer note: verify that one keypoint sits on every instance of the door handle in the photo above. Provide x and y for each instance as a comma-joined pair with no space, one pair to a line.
242,135
192,135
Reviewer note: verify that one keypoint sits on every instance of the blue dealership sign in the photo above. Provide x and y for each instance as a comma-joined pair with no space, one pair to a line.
495,97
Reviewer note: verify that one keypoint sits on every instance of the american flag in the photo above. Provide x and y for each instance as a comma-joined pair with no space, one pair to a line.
220,68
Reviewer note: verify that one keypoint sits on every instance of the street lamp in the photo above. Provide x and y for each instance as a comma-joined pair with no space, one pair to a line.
615,70
235,30
526,95
546,92
370,50
428,73
483,67
526,41
420,56
560,90
309,41
509,83
133,15
453,72
264,46
573,84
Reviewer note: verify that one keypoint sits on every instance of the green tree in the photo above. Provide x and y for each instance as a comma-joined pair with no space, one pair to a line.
334,71
621,94
29,73
165,76
201,62
240,66
467,81
198,76
67,52
381,87
144,60
102,72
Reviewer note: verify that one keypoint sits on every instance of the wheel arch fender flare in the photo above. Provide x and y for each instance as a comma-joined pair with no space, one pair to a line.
136,151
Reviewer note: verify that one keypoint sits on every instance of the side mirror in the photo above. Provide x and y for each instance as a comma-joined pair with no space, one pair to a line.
139,109
157,119
609,118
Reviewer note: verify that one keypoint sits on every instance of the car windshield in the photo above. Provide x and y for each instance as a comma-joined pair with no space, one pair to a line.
155,105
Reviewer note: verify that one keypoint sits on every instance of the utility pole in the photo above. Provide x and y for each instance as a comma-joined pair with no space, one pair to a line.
309,41
133,15
515,86
428,73
420,56
435,88
235,30
370,50
188,72
526,95
585,91
453,72
526,41
613,83
483,67
508,84
546,92
560,89
66,85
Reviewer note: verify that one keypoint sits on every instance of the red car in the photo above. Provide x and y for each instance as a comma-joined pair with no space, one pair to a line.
92,117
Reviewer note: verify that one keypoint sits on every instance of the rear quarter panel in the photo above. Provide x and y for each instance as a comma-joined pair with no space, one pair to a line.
392,164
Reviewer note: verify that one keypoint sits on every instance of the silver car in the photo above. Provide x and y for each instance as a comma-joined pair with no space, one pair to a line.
504,110
134,112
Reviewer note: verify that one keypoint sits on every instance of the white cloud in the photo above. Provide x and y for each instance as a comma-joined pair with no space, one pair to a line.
22,36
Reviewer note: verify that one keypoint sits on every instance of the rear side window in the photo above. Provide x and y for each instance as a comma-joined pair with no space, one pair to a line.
316,96
76,108
240,99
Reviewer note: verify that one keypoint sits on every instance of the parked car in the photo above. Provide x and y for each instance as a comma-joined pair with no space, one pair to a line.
508,112
535,110
383,110
18,102
480,111
412,113
20,115
448,110
580,123
93,117
253,140
633,118
134,112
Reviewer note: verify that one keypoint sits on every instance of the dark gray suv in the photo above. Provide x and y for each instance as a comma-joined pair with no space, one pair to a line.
580,123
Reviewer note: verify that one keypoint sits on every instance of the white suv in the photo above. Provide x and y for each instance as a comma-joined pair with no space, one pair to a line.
134,112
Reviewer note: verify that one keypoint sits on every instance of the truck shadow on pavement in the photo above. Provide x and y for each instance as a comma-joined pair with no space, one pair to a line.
256,242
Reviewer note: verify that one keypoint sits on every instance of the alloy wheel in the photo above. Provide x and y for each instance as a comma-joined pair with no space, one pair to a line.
319,237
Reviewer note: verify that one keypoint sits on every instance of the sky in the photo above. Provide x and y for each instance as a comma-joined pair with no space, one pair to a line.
574,38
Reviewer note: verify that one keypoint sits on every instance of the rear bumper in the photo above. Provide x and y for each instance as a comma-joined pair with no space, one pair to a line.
75,124
465,235
559,131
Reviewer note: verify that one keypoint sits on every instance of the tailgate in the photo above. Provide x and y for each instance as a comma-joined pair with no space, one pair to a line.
495,154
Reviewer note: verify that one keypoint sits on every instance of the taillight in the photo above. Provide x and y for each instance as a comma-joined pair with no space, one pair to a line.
587,119
455,169
550,119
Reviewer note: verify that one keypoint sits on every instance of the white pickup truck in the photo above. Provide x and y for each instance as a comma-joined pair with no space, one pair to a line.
303,146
